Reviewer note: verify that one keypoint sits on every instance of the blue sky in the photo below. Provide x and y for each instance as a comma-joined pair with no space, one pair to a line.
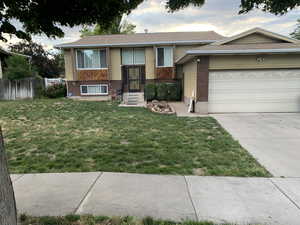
218,15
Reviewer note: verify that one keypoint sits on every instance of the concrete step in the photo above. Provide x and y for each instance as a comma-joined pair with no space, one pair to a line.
133,98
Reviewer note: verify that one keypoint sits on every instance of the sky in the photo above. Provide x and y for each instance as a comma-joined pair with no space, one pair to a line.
218,15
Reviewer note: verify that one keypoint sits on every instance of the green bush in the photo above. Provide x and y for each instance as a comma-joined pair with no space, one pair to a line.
55,91
161,91
173,91
150,92
17,67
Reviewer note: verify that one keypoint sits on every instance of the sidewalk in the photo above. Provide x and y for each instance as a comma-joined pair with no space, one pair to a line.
217,199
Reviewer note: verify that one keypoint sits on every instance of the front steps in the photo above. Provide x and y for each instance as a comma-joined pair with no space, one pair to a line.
133,99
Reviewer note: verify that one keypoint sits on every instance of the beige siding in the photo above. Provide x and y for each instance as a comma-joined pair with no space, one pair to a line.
180,50
150,63
254,39
252,62
190,78
115,56
68,65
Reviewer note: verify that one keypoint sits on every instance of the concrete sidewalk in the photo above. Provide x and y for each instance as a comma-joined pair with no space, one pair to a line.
218,199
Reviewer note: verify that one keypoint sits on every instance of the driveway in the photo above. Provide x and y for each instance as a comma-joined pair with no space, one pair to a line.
272,138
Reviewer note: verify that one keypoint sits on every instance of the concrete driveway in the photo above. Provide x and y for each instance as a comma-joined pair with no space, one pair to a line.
272,138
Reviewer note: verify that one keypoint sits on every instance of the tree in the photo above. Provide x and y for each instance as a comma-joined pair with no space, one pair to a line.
47,16
116,27
47,64
277,7
8,212
17,67
296,33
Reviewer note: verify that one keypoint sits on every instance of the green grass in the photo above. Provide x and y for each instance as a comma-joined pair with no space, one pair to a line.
103,220
72,136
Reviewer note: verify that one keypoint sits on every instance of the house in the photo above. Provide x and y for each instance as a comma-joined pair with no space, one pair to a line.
255,71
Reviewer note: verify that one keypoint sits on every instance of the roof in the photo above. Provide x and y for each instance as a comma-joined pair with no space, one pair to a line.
8,53
143,39
244,47
223,47
259,31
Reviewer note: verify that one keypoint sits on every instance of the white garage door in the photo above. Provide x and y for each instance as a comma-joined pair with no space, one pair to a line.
254,91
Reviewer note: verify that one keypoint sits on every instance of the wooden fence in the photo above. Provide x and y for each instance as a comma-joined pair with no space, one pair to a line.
19,89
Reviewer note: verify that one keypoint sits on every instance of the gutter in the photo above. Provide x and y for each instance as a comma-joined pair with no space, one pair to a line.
193,53
134,44
246,51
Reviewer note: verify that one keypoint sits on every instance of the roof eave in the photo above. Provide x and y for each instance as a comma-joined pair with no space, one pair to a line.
247,51
184,59
135,44
257,30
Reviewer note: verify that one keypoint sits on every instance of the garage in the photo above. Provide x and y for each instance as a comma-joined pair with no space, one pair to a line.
268,90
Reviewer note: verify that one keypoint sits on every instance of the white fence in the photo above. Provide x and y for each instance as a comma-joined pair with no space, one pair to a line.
51,81
19,89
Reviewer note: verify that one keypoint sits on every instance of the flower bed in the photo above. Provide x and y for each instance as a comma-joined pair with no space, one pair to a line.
161,107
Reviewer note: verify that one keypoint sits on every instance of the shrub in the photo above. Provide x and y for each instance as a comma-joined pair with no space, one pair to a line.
55,91
173,91
72,218
150,92
161,91
17,67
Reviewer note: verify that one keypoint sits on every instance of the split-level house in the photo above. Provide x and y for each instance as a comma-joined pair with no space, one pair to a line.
255,71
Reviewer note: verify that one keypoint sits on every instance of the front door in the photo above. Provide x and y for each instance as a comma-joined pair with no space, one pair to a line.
134,79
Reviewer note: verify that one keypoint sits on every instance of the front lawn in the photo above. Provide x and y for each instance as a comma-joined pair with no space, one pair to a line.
104,220
71,136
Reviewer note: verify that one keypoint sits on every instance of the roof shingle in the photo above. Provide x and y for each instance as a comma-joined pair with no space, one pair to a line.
145,38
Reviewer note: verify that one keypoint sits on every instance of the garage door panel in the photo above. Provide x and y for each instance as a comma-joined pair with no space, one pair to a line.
258,107
254,91
261,84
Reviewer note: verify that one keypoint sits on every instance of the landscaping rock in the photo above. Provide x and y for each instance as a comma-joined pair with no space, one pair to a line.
160,107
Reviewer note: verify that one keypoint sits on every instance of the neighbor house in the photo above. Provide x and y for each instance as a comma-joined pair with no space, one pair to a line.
255,71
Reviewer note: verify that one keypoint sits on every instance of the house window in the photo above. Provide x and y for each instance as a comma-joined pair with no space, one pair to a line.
98,89
133,56
91,59
164,57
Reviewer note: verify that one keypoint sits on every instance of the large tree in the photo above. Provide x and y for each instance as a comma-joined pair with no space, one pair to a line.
8,212
46,63
277,7
47,16
118,26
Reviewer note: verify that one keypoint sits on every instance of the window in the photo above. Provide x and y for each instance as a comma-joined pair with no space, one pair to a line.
98,89
164,57
133,56
91,59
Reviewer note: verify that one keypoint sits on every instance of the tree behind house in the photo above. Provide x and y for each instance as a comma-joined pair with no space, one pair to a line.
296,33
117,26
17,67
47,64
